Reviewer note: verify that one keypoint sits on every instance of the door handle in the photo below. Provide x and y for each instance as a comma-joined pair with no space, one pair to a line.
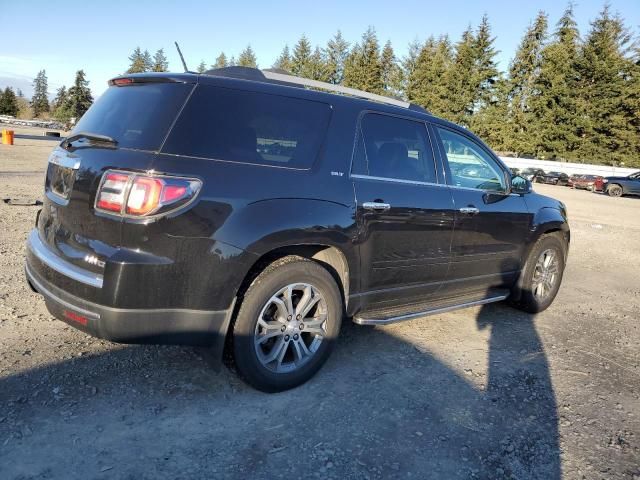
378,206
469,210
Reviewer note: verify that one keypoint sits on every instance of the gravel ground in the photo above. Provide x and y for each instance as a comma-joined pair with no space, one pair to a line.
481,393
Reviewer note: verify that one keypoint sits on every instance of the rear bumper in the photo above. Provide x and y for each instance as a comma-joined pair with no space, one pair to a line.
159,326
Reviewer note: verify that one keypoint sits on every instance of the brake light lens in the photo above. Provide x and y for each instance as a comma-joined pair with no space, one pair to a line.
135,195
112,190
122,81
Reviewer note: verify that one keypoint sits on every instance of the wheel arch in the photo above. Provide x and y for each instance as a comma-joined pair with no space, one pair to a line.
333,259
329,256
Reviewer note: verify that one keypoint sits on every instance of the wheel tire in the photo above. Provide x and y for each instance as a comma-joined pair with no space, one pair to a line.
528,301
614,190
272,280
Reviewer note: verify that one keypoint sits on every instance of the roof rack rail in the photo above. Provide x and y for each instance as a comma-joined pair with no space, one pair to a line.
283,77
306,82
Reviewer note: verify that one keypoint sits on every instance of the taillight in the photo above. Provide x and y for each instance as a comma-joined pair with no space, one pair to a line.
112,190
135,195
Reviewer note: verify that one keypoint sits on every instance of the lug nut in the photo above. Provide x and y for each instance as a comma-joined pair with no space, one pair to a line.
295,337
283,328
289,317
286,338
298,317
301,326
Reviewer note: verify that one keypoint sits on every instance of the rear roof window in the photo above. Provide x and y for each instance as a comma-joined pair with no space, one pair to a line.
136,116
250,127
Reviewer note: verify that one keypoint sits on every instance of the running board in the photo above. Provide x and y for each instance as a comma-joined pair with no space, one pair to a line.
432,311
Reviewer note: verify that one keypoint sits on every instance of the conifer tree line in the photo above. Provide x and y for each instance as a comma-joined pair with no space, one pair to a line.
67,104
564,95
140,62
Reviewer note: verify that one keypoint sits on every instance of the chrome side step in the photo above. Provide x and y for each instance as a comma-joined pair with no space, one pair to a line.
433,311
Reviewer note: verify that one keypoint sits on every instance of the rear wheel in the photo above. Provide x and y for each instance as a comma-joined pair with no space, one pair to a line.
287,324
542,275
614,190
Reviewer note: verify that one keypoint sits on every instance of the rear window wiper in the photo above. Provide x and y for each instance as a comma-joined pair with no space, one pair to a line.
94,137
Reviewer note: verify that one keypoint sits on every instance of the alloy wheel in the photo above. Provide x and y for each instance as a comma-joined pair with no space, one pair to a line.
545,273
291,327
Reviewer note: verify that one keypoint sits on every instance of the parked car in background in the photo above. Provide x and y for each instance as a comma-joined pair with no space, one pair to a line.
531,173
618,186
553,178
573,179
587,182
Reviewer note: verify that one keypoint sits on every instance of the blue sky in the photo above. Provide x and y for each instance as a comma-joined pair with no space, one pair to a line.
98,36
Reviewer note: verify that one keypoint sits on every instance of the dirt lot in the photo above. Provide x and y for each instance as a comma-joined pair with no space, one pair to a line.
483,393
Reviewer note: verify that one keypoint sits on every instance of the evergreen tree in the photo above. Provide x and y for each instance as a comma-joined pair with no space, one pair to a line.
460,81
408,64
137,63
486,68
604,72
523,72
148,61
160,63
362,67
60,100
317,67
390,71
20,94
491,123
336,53
79,97
632,105
426,85
553,104
40,99
202,67
221,61
301,59
8,102
283,62
247,58
488,105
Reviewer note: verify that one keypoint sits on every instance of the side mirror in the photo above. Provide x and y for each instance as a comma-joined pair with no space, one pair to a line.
520,185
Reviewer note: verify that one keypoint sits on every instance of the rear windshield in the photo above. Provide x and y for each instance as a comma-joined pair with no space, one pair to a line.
251,127
136,116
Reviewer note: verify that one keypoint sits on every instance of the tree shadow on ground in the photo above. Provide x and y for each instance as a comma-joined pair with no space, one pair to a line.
379,409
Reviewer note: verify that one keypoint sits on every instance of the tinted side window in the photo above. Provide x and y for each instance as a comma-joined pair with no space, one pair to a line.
397,148
243,126
470,165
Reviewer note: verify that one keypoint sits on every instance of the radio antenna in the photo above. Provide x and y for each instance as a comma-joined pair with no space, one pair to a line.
186,70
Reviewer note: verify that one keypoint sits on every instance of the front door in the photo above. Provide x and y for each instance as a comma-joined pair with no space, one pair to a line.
491,225
404,216
634,184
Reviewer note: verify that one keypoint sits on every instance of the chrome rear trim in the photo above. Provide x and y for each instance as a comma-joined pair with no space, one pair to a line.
53,261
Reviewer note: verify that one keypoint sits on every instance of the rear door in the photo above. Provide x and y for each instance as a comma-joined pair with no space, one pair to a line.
137,116
491,225
404,216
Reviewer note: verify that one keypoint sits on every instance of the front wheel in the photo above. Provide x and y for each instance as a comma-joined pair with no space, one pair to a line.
614,190
542,274
287,324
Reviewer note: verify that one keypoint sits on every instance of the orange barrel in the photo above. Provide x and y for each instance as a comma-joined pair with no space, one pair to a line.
7,137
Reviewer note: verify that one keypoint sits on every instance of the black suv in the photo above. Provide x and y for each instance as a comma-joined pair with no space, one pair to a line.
248,211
